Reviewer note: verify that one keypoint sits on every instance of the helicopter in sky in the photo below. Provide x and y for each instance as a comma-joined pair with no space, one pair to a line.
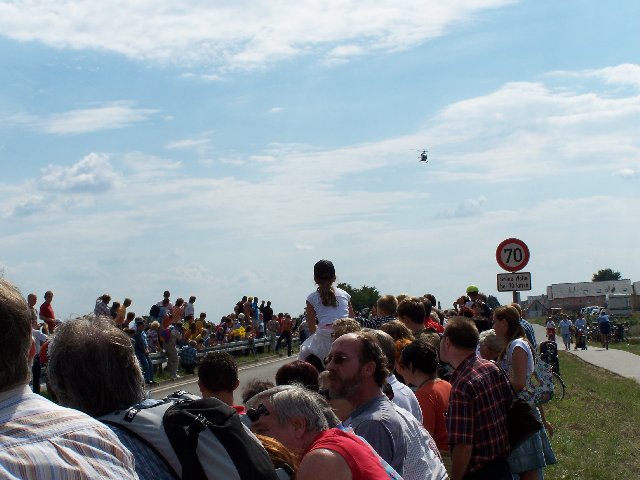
423,156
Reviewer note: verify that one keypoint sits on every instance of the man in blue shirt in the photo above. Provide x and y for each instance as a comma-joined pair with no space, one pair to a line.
141,348
605,328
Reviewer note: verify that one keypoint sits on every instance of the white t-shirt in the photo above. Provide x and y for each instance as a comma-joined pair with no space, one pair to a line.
506,361
326,315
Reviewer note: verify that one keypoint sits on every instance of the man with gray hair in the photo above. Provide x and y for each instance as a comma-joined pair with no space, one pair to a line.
39,439
301,420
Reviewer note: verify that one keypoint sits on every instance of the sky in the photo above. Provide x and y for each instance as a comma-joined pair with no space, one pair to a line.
219,149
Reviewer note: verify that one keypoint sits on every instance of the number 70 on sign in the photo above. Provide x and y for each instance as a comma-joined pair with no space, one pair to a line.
512,254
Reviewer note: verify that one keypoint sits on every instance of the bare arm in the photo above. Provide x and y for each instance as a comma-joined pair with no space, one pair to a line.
311,318
317,464
351,312
460,456
519,364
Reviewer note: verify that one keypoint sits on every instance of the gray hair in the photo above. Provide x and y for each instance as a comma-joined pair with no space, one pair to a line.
290,401
15,341
489,339
93,367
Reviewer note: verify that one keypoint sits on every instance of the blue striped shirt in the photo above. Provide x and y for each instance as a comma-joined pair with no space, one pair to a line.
39,439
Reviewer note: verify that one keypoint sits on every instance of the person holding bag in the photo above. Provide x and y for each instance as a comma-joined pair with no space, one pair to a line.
526,460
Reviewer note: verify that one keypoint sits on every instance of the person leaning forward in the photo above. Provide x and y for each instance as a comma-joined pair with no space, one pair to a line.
478,404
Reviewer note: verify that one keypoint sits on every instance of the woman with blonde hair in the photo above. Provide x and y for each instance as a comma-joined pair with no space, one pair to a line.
516,358
324,306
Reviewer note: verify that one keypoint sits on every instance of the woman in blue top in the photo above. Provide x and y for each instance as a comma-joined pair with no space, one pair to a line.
325,305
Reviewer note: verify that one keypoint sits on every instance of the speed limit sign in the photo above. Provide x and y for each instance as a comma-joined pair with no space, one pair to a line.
512,254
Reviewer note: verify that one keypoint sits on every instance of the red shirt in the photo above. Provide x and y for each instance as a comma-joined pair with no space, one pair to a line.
429,323
360,457
46,310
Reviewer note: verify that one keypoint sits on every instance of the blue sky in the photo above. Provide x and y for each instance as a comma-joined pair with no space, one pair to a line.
220,148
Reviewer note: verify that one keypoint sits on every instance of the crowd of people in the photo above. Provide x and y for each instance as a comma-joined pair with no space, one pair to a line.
407,391
574,329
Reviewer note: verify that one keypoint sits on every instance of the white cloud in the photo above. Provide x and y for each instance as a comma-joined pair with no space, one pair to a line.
188,144
93,173
624,74
26,206
471,207
625,173
234,35
276,110
146,164
108,117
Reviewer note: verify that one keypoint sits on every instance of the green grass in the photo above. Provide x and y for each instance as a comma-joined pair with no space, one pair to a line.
596,425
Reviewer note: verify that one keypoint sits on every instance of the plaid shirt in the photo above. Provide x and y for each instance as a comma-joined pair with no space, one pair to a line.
375,322
477,415
188,355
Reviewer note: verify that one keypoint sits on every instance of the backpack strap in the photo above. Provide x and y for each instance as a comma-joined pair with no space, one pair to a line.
138,437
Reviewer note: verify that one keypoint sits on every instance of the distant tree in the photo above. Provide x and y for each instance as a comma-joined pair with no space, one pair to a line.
492,302
605,275
361,298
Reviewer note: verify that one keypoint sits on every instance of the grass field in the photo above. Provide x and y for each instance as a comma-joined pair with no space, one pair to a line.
597,434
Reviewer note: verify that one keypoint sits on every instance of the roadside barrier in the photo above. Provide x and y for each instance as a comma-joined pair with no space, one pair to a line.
159,359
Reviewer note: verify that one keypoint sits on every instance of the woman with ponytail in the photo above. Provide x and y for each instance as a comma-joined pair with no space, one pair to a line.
325,305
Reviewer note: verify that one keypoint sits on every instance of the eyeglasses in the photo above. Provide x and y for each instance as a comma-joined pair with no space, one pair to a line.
338,358
255,413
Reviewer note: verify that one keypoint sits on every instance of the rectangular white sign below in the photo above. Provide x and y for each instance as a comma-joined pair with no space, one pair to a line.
511,282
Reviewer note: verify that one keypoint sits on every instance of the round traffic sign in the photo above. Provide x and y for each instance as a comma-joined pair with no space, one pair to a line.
512,254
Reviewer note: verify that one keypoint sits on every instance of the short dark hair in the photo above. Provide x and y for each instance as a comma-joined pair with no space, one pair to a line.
15,341
462,333
298,372
426,303
421,355
218,372
413,309
253,387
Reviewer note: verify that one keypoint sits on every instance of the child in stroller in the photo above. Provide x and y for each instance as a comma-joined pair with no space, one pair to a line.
581,339
551,329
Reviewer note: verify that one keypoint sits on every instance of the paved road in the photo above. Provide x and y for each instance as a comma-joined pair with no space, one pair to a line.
264,370
623,363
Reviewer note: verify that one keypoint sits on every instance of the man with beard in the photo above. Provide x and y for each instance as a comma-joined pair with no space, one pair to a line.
357,371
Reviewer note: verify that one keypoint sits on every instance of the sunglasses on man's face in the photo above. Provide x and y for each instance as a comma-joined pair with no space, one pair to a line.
255,413
338,358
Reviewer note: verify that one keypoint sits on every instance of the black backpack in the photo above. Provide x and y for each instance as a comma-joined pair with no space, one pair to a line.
175,426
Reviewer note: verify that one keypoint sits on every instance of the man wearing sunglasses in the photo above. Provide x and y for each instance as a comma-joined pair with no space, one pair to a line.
357,372
304,423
